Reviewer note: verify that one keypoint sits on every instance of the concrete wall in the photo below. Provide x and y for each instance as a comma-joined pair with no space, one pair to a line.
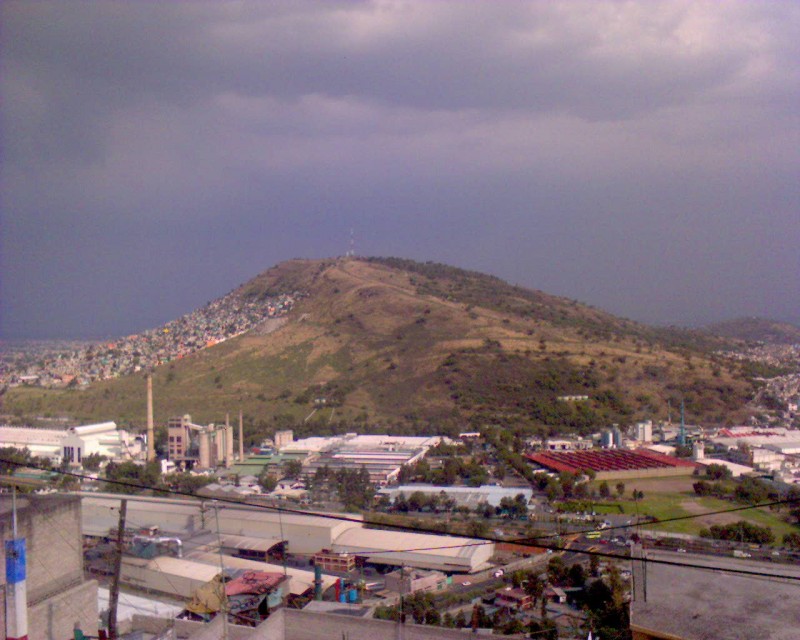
408,582
645,473
55,618
58,597
188,628
296,624
51,526
101,513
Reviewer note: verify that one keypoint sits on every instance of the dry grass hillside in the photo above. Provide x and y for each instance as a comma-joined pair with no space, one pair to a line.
420,347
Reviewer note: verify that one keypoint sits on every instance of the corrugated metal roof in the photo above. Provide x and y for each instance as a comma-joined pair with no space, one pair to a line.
399,542
248,542
300,580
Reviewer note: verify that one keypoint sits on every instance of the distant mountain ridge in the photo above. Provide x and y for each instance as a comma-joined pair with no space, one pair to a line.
757,330
378,343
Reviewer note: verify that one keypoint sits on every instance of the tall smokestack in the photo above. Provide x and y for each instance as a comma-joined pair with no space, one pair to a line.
228,442
151,434
241,438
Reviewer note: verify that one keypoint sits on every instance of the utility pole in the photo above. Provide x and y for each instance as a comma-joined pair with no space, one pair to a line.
16,591
113,597
223,598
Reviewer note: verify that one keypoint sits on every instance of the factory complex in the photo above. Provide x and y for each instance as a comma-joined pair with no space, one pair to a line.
611,464
381,455
75,443
250,531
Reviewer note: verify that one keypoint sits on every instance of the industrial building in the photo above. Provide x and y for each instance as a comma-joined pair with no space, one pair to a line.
301,581
464,496
405,581
334,562
101,439
75,443
200,447
424,551
381,455
304,534
613,464
56,592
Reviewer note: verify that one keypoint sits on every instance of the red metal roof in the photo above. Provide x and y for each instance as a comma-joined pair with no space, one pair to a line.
606,460
253,582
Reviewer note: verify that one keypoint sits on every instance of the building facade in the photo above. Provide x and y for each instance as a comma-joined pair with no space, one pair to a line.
58,597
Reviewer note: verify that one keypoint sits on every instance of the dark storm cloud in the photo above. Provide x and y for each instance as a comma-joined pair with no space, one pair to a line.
639,156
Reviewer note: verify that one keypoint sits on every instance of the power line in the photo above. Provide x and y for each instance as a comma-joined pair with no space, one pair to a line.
480,540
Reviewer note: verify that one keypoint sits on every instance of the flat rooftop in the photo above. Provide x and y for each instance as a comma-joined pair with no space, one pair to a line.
697,604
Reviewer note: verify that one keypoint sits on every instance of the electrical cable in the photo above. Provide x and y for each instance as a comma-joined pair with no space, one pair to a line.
480,540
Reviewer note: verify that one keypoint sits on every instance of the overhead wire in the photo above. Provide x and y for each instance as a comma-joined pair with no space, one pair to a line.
480,540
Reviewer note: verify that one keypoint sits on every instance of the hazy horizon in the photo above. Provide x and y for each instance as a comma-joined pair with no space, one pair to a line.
639,157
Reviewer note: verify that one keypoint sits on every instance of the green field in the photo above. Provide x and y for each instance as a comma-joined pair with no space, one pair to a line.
680,504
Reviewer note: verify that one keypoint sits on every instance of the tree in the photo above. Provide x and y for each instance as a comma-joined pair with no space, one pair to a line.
130,477
608,611
267,482
534,587
740,531
12,459
718,472
620,489
543,629
93,461
792,540
556,571
605,492
187,482
418,501
518,577
751,490
594,565
292,469
576,576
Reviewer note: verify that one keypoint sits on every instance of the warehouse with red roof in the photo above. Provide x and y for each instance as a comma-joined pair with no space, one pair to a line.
613,464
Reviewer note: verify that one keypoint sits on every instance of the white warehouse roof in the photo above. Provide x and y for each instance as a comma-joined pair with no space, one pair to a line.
424,551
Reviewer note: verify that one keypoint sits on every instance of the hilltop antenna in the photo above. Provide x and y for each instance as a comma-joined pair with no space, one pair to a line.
352,251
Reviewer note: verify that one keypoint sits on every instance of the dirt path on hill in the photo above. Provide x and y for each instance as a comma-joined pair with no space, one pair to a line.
720,518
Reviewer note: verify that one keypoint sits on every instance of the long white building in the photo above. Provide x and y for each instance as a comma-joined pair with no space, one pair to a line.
381,455
75,443
305,534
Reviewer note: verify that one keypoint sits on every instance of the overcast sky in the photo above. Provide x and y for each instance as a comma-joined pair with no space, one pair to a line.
642,157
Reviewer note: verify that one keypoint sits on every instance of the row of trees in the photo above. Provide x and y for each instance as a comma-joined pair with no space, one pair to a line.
741,531
453,469
353,487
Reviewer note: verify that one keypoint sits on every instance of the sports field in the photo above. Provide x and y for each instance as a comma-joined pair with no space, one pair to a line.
666,498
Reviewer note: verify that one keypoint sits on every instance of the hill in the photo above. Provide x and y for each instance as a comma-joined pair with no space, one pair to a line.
757,330
384,343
